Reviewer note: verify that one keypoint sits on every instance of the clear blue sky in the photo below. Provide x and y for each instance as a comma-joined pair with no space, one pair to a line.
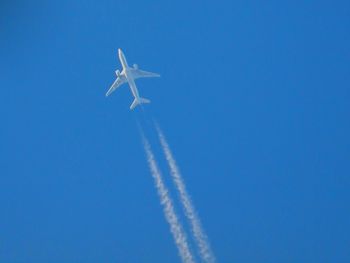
254,99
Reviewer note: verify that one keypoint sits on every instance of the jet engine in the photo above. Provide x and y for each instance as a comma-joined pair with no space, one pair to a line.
117,72
136,66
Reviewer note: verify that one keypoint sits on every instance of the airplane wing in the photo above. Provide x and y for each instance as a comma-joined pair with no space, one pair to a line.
117,83
137,73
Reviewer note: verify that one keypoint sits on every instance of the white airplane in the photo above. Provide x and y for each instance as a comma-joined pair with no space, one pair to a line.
129,74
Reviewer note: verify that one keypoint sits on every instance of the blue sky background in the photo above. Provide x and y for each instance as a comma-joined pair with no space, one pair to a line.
254,99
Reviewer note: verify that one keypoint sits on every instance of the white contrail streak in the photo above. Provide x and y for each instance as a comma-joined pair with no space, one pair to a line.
167,203
197,230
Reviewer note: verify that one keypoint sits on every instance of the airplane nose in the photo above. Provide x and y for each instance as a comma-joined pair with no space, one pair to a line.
119,51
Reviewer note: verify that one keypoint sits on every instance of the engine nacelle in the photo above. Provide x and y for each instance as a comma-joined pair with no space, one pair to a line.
136,66
117,72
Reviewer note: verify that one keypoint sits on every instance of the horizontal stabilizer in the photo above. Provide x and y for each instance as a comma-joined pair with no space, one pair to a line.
138,101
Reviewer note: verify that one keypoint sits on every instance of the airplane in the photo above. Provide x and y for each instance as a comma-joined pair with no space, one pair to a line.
129,74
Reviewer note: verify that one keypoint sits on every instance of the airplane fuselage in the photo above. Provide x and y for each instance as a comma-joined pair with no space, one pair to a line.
126,72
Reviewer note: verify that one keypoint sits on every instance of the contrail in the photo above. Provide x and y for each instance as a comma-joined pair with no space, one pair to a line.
167,203
197,230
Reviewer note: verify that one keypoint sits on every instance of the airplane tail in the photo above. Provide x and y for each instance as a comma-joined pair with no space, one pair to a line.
138,101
